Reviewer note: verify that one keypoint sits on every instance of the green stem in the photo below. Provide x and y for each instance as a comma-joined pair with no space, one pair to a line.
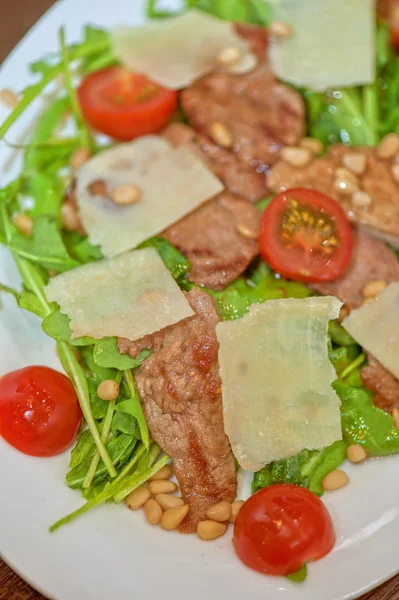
150,459
354,365
370,103
130,464
352,106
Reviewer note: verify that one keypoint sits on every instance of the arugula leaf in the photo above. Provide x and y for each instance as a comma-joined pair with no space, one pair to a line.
84,447
56,326
343,356
47,192
177,264
132,407
80,248
339,335
126,423
44,247
365,424
308,468
106,354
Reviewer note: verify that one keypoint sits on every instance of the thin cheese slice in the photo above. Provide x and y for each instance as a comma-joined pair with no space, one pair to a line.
276,380
375,325
172,182
332,44
129,296
175,52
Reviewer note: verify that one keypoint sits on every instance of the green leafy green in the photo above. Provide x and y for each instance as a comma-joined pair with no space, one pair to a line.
177,264
84,446
308,468
80,248
365,424
299,576
47,192
126,423
246,11
343,356
132,407
339,335
56,326
106,354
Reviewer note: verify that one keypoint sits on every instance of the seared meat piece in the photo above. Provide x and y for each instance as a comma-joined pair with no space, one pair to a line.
239,177
372,260
380,218
220,239
261,113
180,390
257,37
376,378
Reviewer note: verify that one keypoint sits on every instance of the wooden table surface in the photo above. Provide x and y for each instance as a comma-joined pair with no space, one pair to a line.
21,15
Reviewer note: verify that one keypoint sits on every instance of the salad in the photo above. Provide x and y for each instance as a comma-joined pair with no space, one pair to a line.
209,233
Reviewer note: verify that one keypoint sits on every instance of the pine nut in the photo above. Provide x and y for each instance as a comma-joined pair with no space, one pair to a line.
247,232
296,156
166,502
9,98
70,217
164,473
23,223
79,158
389,146
229,56
373,288
235,509
315,146
395,172
162,487
172,518
395,417
345,186
108,390
138,498
210,530
280,29
152,511
347,175
361,199
126,194
246,64
335,480
355,162
219,512
356,453
221,135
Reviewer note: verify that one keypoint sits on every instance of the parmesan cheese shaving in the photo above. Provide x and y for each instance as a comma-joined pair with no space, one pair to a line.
375,325
172,182
332,44
175,52
129,296
276,380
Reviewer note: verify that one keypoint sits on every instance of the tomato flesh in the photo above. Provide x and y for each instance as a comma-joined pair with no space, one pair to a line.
39,411
125,105
282,527
306,236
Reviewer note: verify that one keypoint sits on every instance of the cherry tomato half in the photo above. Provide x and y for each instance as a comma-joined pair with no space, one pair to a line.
282,527
39,411
305,236
125,105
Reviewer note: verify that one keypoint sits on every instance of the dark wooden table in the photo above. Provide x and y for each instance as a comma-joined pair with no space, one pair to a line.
21,15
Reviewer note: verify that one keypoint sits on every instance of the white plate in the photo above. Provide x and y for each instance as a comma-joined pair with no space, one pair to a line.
111,552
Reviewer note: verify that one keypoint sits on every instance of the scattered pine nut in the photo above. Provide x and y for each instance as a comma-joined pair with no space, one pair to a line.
355,162
335,480
162,487
210,530
373,288
166,501
356,453
347,175
164,473
221,135
296,156
395,172
346,185
172,518
280,30
361,199
219,512
9,98
108,390
23,223
247,232
246,64
235,509
79,157
138,498
70,217
229,56
315,146
126,193
388,147
395,416
152,511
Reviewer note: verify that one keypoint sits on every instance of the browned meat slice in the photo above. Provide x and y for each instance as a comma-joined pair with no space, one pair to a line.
372,260
239,177
380,217
219,238
256,36
376,378
180,390
261,113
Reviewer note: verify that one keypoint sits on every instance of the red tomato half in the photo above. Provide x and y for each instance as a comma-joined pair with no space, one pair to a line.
39,411
305,236
282,527
125,105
